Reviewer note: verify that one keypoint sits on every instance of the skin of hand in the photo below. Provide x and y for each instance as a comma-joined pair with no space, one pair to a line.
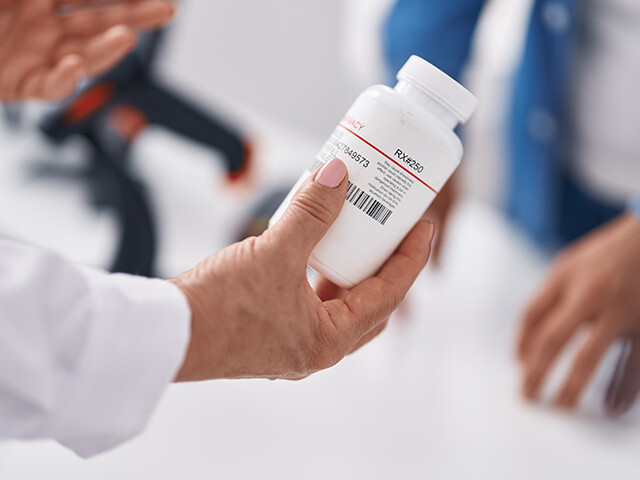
439,213
48,46
254,313
595,283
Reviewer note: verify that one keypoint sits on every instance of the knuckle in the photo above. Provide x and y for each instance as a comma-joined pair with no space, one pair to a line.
251,254
383,297
249,248
392,295
313,206
325,348
593,288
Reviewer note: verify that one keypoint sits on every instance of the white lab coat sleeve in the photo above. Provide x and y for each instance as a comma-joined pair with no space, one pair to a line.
84,355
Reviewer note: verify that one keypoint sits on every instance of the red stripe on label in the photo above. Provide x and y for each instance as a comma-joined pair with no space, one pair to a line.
389,158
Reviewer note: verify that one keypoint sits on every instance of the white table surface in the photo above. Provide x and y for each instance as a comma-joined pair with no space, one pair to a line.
435,397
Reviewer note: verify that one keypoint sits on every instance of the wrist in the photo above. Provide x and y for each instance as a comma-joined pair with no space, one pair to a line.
182,374
199,361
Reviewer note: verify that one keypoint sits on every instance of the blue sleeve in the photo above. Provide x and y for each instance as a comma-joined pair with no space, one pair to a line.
635,206
440,31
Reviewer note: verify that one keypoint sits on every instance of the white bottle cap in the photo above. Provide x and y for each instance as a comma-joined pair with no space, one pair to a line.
440,86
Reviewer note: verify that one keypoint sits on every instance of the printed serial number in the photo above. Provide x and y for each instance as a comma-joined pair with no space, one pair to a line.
351,153
409,161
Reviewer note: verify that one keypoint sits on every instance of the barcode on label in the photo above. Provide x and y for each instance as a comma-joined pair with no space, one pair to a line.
368,204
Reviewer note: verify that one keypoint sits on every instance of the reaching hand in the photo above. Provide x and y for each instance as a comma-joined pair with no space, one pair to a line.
48,46
595,283
254,314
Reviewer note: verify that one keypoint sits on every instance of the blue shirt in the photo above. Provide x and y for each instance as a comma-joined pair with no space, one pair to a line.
441,31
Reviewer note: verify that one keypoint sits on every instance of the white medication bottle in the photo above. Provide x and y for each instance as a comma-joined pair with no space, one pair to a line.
400,149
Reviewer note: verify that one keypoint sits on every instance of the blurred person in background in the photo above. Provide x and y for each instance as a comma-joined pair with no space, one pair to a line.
573,177
85,355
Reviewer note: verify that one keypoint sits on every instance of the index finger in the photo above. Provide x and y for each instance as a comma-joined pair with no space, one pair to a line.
89,19
375,299
536,311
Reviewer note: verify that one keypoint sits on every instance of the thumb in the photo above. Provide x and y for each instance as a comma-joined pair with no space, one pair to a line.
313,209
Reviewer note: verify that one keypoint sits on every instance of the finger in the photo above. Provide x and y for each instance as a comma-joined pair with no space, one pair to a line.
542,303
312,211
585,365
52,84
61,81
107,49
327,290
23,49
13,73
31,86
370,336
69,46
144,15
625,383
101,52
402,269
558,327
375,299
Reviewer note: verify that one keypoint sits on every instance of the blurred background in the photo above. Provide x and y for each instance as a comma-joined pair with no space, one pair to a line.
437,396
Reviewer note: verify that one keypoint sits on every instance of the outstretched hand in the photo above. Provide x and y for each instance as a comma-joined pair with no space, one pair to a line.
48,46
593,285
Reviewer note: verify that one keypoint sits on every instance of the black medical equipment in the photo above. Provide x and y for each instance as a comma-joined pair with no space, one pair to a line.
109,113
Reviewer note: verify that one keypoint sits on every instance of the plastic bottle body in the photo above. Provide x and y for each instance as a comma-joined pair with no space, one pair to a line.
399,154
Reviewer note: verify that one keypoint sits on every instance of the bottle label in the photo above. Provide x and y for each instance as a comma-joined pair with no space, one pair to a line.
386,176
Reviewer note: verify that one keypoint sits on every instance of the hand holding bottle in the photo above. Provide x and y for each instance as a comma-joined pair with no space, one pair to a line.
254,313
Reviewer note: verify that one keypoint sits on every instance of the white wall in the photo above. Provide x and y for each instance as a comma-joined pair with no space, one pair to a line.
281,57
